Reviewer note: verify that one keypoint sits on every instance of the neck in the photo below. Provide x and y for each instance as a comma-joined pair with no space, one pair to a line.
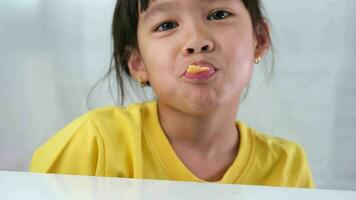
214,133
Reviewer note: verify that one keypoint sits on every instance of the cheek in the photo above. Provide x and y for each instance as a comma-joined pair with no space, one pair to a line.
159,67
240,57
160,58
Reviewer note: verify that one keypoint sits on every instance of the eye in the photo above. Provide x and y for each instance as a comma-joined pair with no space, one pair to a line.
166,26
218,15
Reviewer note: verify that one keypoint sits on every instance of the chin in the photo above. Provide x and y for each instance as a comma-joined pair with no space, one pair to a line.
202,106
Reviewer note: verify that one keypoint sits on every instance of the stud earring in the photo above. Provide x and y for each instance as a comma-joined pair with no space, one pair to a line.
258,60
141,82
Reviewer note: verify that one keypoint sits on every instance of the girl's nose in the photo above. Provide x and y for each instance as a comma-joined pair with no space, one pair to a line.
204,48
199,42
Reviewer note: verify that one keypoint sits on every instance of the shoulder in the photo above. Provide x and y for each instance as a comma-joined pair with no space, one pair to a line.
82,146
119,120
115,113
271,145
280,159
64,152
286,157
275,150
277,146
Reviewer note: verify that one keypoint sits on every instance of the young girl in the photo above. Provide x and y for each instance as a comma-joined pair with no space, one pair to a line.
198,56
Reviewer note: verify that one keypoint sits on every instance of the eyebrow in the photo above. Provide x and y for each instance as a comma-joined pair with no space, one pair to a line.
167,6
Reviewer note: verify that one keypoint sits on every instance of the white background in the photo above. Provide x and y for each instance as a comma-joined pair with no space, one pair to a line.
52,52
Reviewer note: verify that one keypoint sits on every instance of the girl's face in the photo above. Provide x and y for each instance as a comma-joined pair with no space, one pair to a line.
172,34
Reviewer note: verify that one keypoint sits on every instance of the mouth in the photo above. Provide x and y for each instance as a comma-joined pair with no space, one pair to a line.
199,71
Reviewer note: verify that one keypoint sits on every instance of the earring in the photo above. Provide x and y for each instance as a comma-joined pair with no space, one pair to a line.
141,82
258,60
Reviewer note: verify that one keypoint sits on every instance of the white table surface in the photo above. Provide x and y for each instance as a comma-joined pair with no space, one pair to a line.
23,185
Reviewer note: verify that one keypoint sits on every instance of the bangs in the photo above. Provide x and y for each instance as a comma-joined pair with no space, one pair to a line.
143,4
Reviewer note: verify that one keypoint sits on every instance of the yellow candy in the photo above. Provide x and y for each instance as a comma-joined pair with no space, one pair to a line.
194,69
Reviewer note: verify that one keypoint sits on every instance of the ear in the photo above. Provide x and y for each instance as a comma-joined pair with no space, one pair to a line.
136,66
262,39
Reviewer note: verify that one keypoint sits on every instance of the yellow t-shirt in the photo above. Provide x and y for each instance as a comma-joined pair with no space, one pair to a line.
129,142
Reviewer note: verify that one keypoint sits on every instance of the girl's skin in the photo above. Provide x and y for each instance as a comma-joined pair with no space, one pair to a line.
198,117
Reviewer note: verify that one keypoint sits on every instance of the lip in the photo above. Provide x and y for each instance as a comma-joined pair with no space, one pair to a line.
200,63
203,76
